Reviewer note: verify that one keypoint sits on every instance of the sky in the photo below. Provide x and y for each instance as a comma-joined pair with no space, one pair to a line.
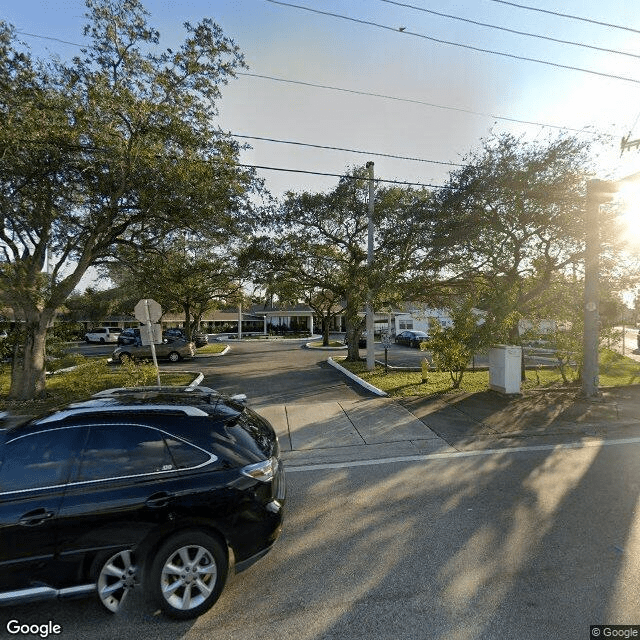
441,99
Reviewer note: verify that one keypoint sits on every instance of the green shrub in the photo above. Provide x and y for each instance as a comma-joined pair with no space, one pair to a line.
138,374
83,381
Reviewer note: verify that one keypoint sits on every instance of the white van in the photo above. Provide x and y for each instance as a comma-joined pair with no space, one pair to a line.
103,334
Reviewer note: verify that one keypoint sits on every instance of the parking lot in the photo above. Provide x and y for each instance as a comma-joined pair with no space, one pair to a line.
476,545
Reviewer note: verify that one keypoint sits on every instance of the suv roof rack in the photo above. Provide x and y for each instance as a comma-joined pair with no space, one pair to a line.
202,392
106,393
77,410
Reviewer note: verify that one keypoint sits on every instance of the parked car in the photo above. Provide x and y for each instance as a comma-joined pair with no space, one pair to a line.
199,339
172,349
362,340
129,336
103,334
412,338
159,487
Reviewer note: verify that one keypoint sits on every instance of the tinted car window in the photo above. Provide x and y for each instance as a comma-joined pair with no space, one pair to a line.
123,450
186,456
38,460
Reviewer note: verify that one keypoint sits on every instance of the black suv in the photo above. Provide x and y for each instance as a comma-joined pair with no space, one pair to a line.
152,486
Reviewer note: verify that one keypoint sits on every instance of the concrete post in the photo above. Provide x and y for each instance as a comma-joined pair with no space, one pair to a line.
371,357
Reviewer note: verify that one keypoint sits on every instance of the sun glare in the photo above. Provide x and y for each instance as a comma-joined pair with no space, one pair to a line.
629,198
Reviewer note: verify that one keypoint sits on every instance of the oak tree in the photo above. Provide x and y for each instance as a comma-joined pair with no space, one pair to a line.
117,147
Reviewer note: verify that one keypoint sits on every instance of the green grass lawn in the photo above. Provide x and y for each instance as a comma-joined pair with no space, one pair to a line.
212,348
93,375
615,371
90,376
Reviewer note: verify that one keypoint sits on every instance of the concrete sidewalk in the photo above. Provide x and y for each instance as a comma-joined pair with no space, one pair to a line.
331,432
381,428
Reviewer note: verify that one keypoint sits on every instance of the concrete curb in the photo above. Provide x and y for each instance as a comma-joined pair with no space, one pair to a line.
311,345
196,381
357,379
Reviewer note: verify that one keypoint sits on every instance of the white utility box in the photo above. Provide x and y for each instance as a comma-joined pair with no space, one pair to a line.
504,368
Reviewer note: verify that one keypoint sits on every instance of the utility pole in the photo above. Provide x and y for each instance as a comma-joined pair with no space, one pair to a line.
371,357
598,192
590,371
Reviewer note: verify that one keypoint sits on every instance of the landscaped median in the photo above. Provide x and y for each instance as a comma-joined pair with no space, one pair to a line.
88,376
213,349
615,371
74,378
333,344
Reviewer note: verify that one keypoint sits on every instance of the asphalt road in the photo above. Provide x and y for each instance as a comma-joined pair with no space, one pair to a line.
490,545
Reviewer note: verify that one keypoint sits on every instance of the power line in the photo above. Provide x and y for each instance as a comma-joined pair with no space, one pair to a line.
514,31
369,153
409,100
368,93
567,15
338,175
461,45
35,35
444,187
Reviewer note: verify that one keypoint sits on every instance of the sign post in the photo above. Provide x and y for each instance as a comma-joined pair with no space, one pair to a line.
149,311
386,343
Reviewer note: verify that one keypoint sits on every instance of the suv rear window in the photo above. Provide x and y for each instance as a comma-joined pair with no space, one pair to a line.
123,450
186,456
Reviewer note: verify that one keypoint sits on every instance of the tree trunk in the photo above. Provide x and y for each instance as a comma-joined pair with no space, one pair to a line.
187,320
354,327
326,321
195,325
28,372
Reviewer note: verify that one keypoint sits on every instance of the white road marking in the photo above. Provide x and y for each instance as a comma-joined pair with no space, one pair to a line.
459,454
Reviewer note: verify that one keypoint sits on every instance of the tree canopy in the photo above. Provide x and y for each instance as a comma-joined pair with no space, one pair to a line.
316,247
182,275
513,216
117,147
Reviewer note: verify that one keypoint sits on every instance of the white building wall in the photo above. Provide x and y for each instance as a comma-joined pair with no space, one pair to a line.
421,319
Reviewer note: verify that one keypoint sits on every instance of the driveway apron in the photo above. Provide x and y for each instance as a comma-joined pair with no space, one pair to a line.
320,416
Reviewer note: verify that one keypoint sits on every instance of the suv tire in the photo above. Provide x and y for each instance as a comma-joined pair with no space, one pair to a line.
188,574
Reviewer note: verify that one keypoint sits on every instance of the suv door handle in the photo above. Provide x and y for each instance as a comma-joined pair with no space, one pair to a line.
35,517
159,500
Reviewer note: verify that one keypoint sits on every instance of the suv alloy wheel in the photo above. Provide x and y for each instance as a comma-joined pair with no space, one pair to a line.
118,575
188,574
